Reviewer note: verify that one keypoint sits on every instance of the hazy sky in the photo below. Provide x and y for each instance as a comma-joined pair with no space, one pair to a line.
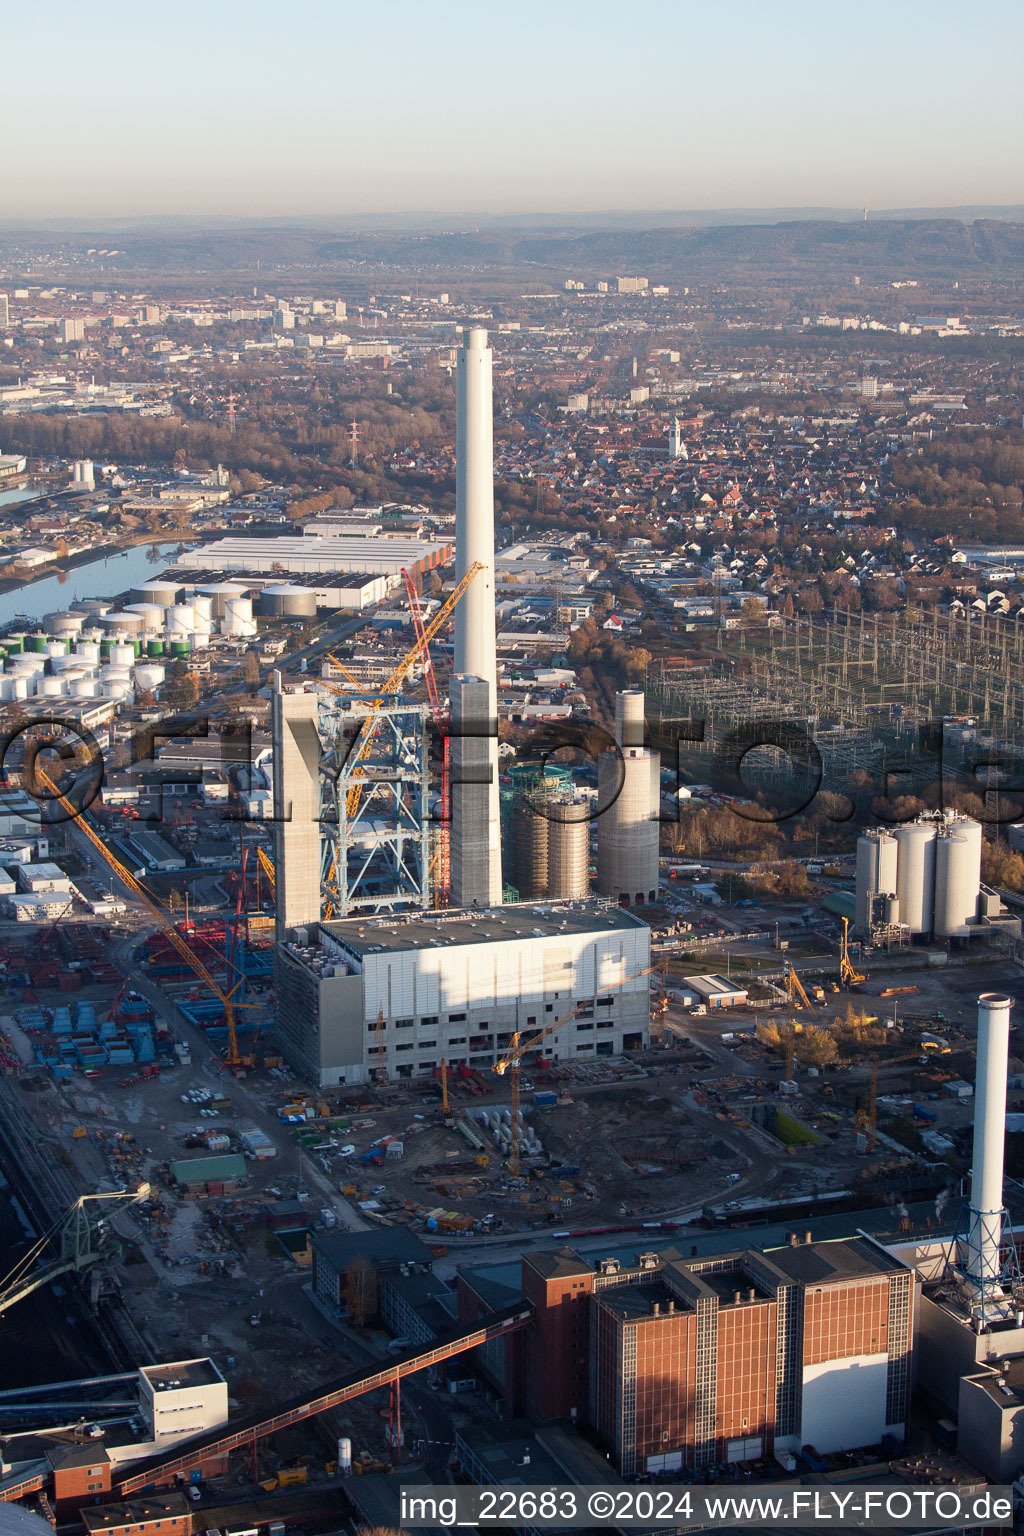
119,107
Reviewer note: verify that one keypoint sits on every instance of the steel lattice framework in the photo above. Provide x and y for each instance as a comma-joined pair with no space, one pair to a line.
375,787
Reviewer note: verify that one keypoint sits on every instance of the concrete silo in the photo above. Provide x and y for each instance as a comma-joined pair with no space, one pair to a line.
876,873
957,877
568,851
628,794
915,874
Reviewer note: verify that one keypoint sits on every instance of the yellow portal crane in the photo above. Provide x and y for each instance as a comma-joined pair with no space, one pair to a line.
797,996
184,949
847,975
510,1065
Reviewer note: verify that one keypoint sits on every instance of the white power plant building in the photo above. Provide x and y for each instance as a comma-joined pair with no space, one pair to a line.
397,995
923,878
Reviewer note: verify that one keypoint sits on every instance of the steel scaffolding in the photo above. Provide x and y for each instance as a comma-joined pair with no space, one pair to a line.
375,785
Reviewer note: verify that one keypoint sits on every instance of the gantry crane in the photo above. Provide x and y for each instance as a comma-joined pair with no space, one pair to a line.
85,1240
184,949
847,975
510,1064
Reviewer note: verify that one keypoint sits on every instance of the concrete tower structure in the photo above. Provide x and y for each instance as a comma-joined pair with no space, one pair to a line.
676,446
979,1250
474,709
296,808
628,795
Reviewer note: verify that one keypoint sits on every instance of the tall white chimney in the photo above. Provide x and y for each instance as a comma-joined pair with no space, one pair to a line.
984,1229
475,655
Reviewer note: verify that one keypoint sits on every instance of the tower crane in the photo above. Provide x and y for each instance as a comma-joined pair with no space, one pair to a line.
442,871
182,946
511,1062
82,1237
394,682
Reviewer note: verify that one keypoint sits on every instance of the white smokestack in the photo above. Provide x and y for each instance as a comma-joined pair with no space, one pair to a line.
985,1220
475,655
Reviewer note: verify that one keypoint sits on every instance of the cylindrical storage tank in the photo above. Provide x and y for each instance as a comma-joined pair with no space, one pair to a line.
21,686
568,851
344,1456
149,676
111,624
83,688
66,662
35,643
115,675
200,640
91,606
629,717
156,647
180,649
49,687
163,593
238,619
530,871
151,614
218,592
876,873
25,661
66,623
891,911
122,692
7,683
957,881
56,648
88,650
181,620
202,603
131,623
122,654
14,644
915,874
288,600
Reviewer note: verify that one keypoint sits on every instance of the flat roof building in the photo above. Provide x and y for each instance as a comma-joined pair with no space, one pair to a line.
326,553
403,991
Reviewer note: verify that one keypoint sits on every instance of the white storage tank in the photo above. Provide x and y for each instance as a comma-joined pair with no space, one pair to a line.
63,662
202,603
181,620
238,619
876,872
957,878
219,592
122,692
88,650
151,614
114,673
83,688
915,874
122,655
149,676
92,607
49,687
56,648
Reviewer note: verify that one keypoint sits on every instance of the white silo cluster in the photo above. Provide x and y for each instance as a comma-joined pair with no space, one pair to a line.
924,877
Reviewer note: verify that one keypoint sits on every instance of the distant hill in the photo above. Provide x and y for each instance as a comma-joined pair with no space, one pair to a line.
795,250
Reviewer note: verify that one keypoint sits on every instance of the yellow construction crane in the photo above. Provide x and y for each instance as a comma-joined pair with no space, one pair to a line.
511,1062
349,677
446,1112
847,975
866,1120
394,682
184,949
797,996
378,1043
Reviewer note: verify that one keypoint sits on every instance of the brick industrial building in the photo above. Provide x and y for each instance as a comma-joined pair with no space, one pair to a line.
680,1362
